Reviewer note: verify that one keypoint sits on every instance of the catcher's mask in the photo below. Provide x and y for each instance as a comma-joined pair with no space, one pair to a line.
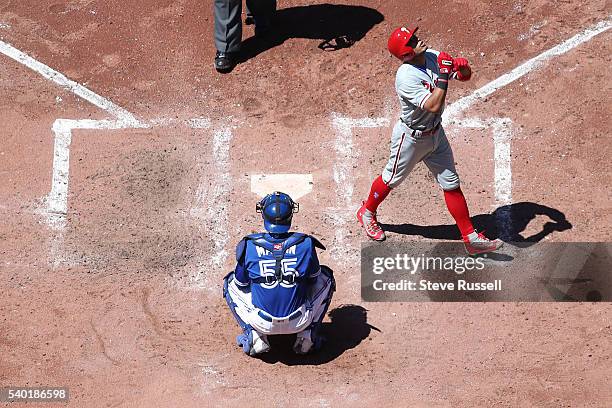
277,212
400,43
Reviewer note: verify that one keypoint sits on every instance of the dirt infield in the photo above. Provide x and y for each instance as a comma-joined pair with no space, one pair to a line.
120,297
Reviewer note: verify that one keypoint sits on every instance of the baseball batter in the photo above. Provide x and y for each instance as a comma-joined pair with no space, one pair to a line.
421,83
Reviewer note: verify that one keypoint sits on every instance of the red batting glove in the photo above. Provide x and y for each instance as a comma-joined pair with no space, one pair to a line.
445,62
459,63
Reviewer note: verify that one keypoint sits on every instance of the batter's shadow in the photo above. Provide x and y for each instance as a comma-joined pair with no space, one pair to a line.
336,25
506,223
347,328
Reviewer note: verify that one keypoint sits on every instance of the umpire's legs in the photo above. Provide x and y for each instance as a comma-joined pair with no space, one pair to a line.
228,25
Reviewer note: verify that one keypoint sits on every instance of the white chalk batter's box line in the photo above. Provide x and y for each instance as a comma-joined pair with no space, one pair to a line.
57,200
346,151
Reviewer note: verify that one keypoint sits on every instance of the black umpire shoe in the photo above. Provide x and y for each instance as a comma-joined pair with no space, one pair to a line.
225,61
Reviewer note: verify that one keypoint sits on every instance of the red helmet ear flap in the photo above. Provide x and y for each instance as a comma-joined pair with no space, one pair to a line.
408,55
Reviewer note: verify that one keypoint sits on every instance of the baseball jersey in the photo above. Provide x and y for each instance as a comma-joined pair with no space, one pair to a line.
279,299
414,85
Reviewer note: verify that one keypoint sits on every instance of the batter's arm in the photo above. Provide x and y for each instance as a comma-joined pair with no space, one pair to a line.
435,102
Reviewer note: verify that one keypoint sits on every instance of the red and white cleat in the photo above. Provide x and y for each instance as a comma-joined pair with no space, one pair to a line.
482,244
368,221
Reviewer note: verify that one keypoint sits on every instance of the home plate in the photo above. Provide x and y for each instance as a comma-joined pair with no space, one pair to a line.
296,185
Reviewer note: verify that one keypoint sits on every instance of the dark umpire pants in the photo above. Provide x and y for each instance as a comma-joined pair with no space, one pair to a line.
228,22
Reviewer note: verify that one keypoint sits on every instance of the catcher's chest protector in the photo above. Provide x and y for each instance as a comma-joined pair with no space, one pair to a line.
277,249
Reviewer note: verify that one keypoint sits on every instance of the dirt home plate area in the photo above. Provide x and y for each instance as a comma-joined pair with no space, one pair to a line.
130,170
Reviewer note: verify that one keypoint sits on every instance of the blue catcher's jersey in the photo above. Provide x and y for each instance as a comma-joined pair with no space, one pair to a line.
278,298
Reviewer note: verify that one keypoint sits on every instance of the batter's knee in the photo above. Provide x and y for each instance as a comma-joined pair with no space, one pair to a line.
392,180
448,180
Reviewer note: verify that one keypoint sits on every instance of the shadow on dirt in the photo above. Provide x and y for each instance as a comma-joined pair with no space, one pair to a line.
347,328
338,26
506,222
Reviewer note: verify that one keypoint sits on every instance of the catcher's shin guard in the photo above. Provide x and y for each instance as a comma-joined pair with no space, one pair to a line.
312,333
251,341
247,337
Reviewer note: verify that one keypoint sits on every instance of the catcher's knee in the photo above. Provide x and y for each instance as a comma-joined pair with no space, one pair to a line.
326,270
226,280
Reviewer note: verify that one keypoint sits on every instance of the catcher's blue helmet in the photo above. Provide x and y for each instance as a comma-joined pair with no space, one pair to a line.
277,211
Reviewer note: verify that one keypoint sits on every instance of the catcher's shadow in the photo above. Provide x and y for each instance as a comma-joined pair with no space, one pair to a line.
336,25
507,223
348,326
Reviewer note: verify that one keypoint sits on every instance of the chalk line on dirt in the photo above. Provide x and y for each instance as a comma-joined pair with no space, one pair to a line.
453,110
212,210
57,200
502,154
346,159
218,199
198,123
70,85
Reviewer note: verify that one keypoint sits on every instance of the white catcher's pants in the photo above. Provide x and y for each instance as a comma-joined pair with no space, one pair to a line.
318,298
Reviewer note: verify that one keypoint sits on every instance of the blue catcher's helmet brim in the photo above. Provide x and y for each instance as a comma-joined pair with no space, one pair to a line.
276,228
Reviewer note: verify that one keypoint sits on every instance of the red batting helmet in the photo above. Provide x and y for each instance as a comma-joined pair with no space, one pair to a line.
398,43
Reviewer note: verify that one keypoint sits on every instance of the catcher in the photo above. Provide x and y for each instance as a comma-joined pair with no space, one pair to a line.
278,286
